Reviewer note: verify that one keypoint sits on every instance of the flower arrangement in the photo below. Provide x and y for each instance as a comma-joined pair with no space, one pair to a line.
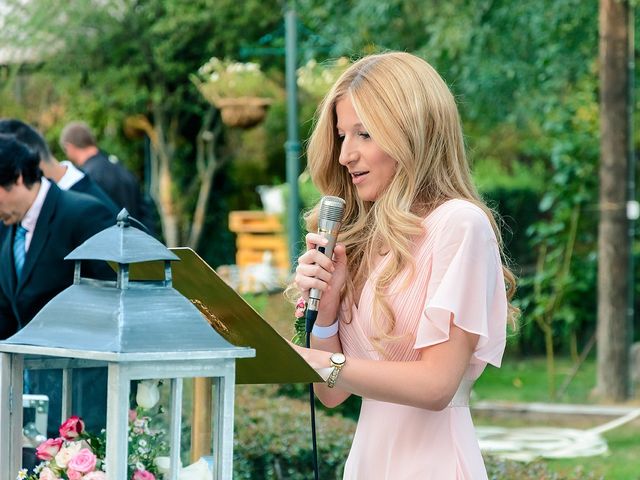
241,91
317,78
300,332
218,79
79,455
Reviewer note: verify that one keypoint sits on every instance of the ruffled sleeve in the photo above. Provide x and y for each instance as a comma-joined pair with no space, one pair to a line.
466,284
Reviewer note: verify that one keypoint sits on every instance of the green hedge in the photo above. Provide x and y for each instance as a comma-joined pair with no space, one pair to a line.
273,440
510,470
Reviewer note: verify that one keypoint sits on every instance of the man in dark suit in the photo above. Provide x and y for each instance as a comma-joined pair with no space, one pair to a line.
121,185
65,174
43,224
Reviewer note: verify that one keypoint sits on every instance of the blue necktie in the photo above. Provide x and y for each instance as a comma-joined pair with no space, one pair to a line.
19,251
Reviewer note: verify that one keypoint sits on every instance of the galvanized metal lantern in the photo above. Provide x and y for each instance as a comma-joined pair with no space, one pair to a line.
139,330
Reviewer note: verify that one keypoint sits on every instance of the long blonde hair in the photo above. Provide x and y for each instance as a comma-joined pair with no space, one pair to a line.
408,110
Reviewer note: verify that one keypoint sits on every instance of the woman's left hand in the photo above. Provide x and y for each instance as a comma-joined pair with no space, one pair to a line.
317,359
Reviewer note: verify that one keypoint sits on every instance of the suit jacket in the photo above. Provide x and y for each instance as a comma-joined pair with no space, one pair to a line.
88,186
121,186
66,220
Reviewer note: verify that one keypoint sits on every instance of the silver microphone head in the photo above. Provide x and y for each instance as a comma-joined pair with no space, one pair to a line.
331,211
329,222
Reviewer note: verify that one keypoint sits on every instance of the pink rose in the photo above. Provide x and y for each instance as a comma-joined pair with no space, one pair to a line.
74,475
72,428
47,474
84,461
301,306
143,475
132,415
97,475
49,448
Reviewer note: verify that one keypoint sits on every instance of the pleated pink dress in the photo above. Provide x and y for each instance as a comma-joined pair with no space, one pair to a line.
458,275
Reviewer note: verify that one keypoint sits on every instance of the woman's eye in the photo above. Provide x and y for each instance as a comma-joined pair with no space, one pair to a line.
364,134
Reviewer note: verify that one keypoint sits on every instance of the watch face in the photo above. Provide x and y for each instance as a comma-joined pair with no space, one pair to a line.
338,358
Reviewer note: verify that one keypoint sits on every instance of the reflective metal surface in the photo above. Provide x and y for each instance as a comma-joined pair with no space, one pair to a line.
234,319
121,243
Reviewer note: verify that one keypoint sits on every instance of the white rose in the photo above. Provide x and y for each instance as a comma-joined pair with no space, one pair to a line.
164,464
148,394
47,474
67,453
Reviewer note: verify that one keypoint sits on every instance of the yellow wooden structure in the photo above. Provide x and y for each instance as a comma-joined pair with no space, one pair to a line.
257,233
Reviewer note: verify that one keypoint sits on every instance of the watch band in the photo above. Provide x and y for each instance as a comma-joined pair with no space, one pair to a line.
337,366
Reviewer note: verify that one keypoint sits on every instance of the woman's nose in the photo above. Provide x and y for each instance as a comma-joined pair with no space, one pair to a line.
347,154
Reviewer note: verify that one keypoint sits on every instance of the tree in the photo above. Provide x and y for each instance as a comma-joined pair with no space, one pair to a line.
130,60
613,378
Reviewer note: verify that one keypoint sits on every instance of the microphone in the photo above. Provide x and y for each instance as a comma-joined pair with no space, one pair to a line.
329,223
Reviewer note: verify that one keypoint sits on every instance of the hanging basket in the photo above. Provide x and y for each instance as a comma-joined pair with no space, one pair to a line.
243,112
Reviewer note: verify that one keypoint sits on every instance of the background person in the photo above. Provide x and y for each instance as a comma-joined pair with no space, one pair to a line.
64,173
415,297
43,224
79,144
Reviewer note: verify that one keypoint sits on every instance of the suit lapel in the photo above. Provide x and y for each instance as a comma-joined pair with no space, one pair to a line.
8,277
41,233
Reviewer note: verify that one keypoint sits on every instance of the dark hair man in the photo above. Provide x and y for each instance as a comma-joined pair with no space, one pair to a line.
65,174
121,185
42,225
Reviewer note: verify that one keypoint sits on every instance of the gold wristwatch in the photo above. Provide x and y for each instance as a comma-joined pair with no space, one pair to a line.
337,362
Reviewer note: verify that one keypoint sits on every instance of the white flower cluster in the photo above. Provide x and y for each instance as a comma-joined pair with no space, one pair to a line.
214,68
219,78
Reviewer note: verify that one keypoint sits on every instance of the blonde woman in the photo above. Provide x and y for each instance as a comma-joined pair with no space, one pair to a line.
414,303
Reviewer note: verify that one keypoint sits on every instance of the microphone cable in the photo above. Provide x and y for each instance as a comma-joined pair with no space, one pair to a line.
329,221
310,319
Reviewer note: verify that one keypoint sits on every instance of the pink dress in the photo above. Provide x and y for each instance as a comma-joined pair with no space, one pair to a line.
458,275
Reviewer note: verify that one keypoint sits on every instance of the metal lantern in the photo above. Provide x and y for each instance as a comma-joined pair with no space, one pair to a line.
139,330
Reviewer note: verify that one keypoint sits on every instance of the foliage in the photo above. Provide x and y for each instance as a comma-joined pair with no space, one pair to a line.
565,237
278,445
116,60
317,78
498,469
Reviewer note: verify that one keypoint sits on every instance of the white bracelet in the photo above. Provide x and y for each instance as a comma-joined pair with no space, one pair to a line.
325,332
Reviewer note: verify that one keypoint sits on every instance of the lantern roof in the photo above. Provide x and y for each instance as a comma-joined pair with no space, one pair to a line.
122,244
125,319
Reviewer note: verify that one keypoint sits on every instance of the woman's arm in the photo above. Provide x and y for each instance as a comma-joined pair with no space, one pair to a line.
316,270
430,382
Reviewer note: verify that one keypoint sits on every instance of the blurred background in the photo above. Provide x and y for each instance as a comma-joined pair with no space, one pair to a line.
191,96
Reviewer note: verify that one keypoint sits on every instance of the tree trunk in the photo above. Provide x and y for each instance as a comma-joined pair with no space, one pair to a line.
613,241
207,162
163,136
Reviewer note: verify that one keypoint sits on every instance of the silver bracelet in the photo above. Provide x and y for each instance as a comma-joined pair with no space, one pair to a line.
325,332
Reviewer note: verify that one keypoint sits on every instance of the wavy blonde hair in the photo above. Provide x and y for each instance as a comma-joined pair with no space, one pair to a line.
409,112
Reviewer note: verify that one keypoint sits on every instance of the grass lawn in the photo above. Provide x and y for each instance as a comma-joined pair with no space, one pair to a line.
525,380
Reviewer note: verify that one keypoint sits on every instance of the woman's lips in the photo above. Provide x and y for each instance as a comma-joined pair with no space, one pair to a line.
358,177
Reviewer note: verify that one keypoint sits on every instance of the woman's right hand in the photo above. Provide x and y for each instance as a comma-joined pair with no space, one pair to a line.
316,270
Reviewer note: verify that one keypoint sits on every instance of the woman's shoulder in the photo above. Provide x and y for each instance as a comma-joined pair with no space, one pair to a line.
457,211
